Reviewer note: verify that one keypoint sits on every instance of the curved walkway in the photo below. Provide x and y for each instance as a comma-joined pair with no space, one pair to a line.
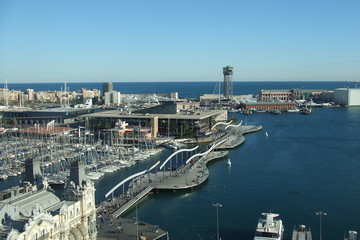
192,174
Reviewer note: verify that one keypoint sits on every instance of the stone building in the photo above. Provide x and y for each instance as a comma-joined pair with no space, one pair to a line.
33,211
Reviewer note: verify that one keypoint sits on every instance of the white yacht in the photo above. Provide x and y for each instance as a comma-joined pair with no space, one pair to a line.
301,232
269,227
351,235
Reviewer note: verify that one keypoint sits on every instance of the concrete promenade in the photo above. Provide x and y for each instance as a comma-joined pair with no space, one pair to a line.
111,226
126,229
235,136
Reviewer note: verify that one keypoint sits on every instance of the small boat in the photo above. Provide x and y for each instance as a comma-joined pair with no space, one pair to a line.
269,227
350,235
276,112
246,111
293,110
301,232
171,146
306,110
266,134
229,162
3,176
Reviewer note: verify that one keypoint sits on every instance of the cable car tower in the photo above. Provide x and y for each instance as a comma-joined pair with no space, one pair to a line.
228,85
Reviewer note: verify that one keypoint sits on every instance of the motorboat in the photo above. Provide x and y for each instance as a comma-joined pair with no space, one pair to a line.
293,110
3,176
229,162
351,235
301,232
269,227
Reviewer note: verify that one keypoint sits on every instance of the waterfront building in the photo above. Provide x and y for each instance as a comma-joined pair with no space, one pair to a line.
290,95
33,211
30,94
187,106
174,95
171,123
268,105
9,96
115,97
112,97
135,98
27,116
107,98
90,94
347,96
271,95
107,87
211,99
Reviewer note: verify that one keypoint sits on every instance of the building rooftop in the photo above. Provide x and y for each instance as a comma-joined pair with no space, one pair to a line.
187,115
269,103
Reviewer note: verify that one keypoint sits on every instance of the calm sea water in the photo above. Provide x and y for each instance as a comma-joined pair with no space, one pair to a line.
308,163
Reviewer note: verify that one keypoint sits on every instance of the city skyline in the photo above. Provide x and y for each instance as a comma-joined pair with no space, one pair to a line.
145,41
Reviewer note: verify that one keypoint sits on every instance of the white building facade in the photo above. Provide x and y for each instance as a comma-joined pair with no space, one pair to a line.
31,212
347,96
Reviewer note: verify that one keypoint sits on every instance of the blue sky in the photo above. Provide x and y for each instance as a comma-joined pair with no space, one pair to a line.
179,40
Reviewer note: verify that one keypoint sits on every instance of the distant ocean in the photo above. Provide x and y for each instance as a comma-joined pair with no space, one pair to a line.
308,163
185,89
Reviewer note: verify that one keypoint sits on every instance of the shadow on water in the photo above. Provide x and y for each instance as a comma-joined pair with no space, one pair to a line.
240,233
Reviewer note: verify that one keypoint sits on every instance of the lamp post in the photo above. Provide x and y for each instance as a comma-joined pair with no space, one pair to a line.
217,205
320,214
137,220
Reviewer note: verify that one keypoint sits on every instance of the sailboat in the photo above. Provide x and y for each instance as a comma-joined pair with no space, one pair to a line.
229,162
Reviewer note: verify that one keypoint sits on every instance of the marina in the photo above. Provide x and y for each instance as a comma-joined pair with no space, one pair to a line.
59,145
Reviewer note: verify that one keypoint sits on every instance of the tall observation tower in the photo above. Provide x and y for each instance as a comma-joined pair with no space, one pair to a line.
228,85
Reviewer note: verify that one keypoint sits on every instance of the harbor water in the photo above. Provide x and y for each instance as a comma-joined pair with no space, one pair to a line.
306,164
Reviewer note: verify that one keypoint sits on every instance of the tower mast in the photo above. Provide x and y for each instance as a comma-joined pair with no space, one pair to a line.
228,85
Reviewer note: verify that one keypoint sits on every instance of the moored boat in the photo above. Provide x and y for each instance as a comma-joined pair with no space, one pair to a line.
301,232
3,176
269,227
306,110
293,110
351,235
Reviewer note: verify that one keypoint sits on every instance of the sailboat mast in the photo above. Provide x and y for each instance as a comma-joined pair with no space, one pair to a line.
6,93
65,93
219,86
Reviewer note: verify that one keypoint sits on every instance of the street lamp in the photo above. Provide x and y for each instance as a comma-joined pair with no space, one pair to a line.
217,205
137,220
320,214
